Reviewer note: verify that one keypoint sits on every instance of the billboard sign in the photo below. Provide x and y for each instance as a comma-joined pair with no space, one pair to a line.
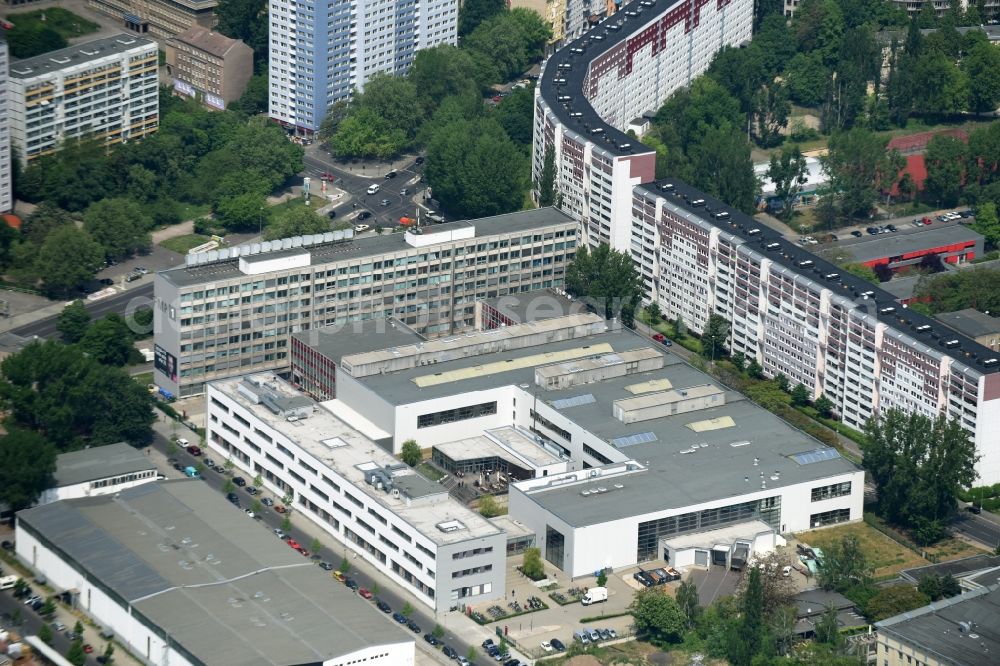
165,362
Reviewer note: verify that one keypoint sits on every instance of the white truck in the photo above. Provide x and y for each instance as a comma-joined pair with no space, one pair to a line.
595,595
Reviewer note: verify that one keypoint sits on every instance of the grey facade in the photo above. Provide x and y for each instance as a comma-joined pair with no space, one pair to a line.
6,195
233,317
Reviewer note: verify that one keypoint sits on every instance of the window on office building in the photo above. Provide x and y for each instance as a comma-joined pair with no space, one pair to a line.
555,546
457,414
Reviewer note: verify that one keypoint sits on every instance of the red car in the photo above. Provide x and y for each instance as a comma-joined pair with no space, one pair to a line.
293,543
88,648
364,592
927,220
280,509
659,337
194,450
326,175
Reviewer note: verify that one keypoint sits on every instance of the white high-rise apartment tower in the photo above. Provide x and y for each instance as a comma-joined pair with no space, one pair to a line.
322,51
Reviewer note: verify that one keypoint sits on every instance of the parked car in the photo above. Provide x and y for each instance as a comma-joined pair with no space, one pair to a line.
872,231
233,497
385,202
547,646
351,584
612,633
972,508
339,575
365,593
219,469
326,566
280,509
487,643
194,450
413,626
892,228
419,160
558,645
382,606
278,532
267,501
403,192
432,639
358,228
449,652
293,544
252,490
239,481
249,513
399,617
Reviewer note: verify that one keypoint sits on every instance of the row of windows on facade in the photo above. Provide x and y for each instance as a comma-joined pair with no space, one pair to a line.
126,478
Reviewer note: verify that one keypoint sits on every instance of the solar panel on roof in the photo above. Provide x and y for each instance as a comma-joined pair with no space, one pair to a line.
632,440
815,456
575,401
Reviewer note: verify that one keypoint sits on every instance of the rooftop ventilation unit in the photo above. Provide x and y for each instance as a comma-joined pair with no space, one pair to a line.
450,526
737,445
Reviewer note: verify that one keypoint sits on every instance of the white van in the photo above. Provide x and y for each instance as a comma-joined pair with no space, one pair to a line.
373,189
8,582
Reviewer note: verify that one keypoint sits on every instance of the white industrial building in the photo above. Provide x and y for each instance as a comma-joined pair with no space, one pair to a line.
406,526
99,470
183,578
650,458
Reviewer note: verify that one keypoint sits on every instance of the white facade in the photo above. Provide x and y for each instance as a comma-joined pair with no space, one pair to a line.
6,194
400,535
106,89
106,486
612,544
322,52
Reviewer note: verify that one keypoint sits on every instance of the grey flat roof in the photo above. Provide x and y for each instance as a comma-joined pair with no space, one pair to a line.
957,568
78,54
99,462
369,246
906,240
674,479
935,629
216,582
358,337
535,305
792,258
901,288
971,322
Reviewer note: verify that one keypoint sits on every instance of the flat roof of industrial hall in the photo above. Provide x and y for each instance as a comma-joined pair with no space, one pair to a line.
937,629
692,457
215,582
99,462
368,246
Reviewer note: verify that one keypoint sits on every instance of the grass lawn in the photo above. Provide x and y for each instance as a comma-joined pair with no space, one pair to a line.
430,472
194,211
182,244
314,202
885,555
953,549
63,21
143,379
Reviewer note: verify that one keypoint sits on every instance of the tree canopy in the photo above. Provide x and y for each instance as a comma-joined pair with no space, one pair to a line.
918,465
297,222
658,617
607,278
27,462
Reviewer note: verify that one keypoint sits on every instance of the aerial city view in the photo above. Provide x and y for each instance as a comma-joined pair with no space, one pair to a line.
557,332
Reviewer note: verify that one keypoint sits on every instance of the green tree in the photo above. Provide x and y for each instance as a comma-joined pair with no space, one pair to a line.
980,66
781,380
713,338
687,600
800,395
474,12
945,158
724,169
228,486
602,578
547,183
653,313
32,39
45,633
246,20
531,564
771,108
943,88
242,212
315,546
855,163
844,566
789,172
258,480
108,341
824,406
893,600
444,71
751,625
27,462
988,222
806,78
488,506
68,259
407,609
109,650
345,565
515,113
438,631
254,100
828,628
395,100
257,507
43,220
286,523
918,465
976,288
606,277
48,607
509,41
411,453
471,654
927,18
658,616
862,271
475,169
76,655
73,321
297,221
818,26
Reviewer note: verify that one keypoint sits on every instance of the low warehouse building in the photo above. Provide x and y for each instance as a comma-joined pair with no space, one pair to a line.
99,470
182,578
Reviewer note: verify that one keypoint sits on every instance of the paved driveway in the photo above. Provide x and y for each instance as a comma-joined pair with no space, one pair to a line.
715,583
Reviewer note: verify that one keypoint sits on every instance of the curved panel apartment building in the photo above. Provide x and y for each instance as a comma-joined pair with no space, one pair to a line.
795,313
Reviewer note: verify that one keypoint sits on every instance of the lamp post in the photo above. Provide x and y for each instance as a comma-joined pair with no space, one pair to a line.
260,221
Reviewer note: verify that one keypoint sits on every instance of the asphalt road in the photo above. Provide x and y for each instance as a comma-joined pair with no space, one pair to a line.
119,303
978,528
271,520
357,187
32,622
